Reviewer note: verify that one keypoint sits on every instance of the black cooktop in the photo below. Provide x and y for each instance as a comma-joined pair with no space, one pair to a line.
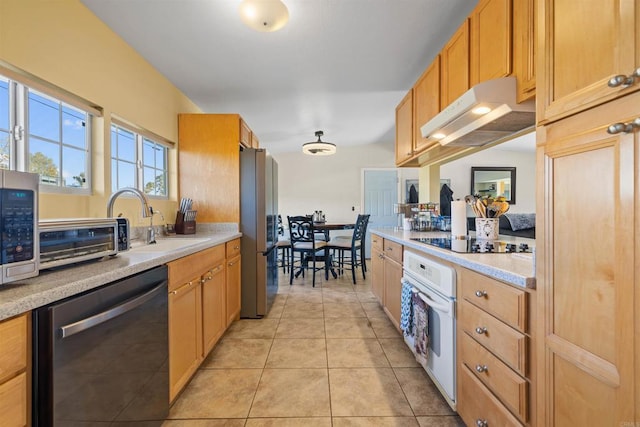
473,245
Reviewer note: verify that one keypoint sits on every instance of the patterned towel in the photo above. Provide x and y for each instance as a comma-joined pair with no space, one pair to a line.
421,329
406,309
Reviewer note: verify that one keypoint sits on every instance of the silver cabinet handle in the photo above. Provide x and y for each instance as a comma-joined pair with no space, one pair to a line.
90,322
624,81
624,127
481,330
481,294
481,423
482,368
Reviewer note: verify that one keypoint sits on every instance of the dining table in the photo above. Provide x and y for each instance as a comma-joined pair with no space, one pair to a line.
327,227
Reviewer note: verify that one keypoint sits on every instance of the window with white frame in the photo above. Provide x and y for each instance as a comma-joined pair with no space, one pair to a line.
42,134
138,161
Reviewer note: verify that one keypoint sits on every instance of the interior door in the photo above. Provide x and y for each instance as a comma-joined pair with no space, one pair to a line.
380,193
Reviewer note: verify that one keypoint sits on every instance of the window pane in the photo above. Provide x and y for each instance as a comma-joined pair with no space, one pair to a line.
149,153
73,167
44,117
114,175
149,186
161,183
4,104
4,150
126,174
44,159
74,127
126,146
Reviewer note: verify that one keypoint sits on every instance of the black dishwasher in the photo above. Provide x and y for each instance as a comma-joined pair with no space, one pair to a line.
101,357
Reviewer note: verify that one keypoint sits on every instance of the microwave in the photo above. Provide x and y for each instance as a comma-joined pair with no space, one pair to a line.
74,240
19,225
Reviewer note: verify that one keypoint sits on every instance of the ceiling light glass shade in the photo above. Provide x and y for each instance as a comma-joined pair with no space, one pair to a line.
319,148
264,15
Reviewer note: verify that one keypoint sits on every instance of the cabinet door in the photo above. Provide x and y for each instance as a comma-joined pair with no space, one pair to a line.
234,297
213,307
490,40
255,142
581,49
377,274
524,54
392,290
404,128
426,102
455,66
14,401
185,334
587,278
245,134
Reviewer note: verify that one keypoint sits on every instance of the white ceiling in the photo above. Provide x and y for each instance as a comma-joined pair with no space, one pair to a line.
340,66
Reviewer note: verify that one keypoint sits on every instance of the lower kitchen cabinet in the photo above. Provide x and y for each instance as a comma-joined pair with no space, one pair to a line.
234,284
213,306
15,371
386,276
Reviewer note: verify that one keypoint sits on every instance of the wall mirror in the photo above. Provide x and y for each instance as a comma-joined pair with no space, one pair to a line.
493,182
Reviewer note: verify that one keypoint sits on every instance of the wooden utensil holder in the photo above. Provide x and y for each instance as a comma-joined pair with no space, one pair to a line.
183,226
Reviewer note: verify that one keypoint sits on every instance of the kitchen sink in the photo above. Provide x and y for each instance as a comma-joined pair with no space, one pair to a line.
168,244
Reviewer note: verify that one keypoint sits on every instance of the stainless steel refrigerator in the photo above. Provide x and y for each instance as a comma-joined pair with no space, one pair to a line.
259,228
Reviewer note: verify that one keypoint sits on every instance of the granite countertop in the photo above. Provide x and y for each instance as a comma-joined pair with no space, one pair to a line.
516,269
56,284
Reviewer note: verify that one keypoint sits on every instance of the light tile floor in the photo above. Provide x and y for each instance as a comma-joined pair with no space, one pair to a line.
324,356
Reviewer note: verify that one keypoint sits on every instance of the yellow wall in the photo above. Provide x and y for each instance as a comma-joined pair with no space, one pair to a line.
63,43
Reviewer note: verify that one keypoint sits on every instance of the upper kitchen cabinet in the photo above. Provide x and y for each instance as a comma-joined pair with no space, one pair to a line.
490,41
245,134
255,142
426,102
588,55
209,164
524,55
404,129
454,79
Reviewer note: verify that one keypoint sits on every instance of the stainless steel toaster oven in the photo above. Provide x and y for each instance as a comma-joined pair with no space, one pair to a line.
69,241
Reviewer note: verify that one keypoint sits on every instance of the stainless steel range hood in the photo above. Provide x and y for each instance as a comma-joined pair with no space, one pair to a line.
485,113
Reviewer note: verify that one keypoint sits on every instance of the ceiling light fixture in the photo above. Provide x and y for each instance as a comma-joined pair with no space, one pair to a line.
264,15
319,147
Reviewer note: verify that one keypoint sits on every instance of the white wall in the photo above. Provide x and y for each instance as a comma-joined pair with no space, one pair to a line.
459,172
330,183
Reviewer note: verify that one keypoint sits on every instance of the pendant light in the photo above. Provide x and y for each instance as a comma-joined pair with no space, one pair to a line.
319,147
264,15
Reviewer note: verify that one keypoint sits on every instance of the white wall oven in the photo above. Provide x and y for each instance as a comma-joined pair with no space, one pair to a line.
429,321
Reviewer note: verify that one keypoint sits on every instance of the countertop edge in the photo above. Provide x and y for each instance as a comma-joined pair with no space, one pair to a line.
57,284
466,260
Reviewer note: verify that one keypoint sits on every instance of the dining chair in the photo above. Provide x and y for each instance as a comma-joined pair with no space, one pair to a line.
309,250
351,251
283,246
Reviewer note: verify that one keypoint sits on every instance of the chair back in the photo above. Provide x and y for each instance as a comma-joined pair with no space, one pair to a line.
301,230
360,229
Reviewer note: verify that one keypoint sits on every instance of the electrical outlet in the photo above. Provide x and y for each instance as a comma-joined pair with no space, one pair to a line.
353,208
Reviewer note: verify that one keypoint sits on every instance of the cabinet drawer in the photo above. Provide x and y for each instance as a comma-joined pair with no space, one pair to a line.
13,342
505,342
183,269
376,243
508,386
233,248
477,406
503,301
393,250
13,401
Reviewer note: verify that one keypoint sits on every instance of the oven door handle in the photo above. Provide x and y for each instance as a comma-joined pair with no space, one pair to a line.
95,320
432,303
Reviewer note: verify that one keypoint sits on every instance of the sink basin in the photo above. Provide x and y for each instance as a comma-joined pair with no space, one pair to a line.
168,245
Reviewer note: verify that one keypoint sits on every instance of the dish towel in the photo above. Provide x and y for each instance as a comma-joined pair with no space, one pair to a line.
406,309
420,329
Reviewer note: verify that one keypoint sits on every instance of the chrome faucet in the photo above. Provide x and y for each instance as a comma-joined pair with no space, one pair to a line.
151,232
146,210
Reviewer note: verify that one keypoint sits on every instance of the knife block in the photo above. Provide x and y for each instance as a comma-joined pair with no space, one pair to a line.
184,226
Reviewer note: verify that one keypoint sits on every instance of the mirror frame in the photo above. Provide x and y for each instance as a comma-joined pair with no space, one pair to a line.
511,170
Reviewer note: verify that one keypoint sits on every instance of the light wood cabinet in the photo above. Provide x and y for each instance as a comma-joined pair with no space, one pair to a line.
580,50
214,319
426,102
404,129
590,303
494,360
490,41
209,163
524,48
15,372
255,142
234,283
454,78
386,265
